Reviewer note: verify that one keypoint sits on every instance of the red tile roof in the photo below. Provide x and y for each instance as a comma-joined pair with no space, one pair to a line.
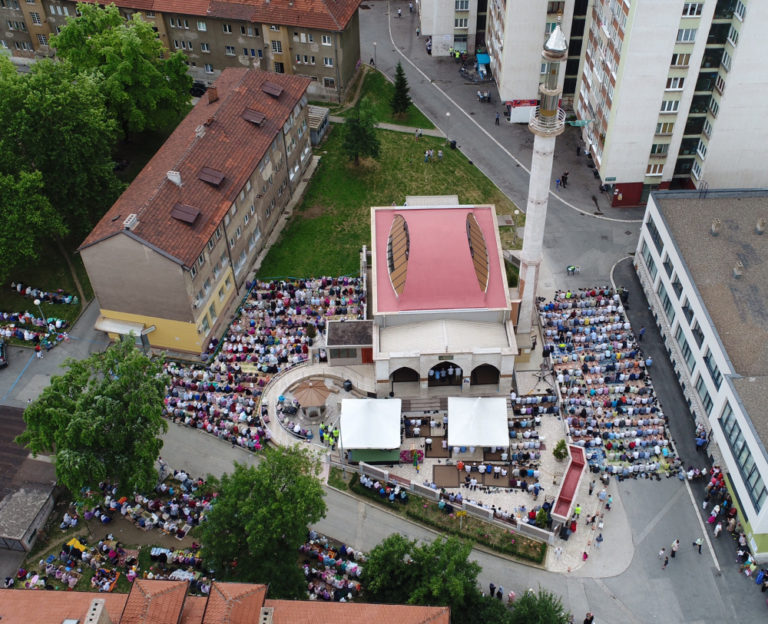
331,15
22,606
228,143
234,603
311,612
159,602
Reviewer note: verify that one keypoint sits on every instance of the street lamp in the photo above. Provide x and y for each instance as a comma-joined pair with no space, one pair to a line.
374,54
37,303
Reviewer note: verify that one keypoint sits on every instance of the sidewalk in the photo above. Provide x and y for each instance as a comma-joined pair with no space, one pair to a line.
394,127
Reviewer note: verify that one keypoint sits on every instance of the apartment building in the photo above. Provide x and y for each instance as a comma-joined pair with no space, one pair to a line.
319,39
701,259
667,90
452,24
171,257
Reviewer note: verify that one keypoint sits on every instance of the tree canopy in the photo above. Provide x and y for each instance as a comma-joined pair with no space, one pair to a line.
101,420
360,134
542,607
55,122
400,99
261,517
25,219
438,573
144,88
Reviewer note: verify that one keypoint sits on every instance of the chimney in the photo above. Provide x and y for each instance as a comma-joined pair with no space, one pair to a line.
738,270
213,95
760,225
716,227
97,613
131,221
175,177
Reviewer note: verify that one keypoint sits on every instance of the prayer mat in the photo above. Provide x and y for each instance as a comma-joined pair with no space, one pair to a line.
493,457
437,448
445,476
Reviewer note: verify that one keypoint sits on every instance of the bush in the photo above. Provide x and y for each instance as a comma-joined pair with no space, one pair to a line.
560,452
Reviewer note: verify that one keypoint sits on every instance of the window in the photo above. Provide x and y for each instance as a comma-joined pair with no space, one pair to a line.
698,335
207,286
703,393
279,68
227,28
733,36
665,127
222,293
246,219
714,107
702,149
725,61
687,311
205,48
274,28
666,303
247,30
719,84
739,10
192,271
212,312
696,170
659,149
675,84
685,349
253,238
654,232
668,266
326,40
680,60
692,9
648,257
714,371
205,324
201,26
327,61
345,354
229,50
42,39
277,47
655,169
329,83
677,286
670,106
176,44
686,35
238,232
35,18
208,68
707,128
460,22
462,5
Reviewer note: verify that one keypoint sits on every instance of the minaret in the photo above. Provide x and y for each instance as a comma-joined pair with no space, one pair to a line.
546,124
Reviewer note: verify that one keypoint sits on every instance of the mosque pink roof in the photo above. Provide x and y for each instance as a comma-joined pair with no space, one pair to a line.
449,259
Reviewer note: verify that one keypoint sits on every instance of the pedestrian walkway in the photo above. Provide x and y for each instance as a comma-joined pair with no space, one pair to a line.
433,132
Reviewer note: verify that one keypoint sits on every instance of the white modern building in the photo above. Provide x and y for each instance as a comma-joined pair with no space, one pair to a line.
452,24
668,90
441,306
702,259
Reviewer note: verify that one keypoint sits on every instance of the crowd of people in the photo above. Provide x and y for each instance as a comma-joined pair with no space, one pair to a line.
331,570
608,397
274,329
57,297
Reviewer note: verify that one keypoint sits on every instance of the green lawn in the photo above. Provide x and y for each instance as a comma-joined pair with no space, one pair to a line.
330,226
379,92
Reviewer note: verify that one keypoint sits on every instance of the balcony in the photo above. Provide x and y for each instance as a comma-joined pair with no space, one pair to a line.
694,125
718,34
547,126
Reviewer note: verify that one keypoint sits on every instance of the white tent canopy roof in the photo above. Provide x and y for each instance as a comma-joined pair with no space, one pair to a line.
370,423
477,421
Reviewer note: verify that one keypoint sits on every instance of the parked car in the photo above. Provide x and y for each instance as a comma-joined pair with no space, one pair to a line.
3,354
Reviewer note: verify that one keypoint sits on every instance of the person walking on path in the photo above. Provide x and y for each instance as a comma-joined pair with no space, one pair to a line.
589,618
399,12
665,564
410,7
564,179
675,547
497,119
640,334
662,553
558,552
492,587
557,184
591,487
602,495
609,503
718,529
599,540
698,543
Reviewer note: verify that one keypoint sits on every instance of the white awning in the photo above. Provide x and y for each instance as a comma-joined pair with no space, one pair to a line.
113,326
370,423
477,421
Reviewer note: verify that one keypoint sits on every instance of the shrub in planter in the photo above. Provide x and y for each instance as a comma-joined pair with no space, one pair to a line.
560,452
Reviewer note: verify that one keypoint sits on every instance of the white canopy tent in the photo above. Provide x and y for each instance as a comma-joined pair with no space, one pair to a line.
477,421
370,423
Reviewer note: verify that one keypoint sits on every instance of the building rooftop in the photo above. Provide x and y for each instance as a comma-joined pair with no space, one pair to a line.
444,336
19,509
752,392
333,15
437,258
155,602
214,150
350,333
738,307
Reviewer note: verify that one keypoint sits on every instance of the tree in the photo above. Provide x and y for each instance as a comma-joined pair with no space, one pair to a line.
26,218
55,122
144,89
400,100
102,420
260,519
399,570
543,607
360,135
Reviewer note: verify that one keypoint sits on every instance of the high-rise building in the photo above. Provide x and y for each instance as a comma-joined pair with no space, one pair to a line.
668,90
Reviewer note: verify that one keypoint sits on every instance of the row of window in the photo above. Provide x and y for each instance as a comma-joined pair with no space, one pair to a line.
750,474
